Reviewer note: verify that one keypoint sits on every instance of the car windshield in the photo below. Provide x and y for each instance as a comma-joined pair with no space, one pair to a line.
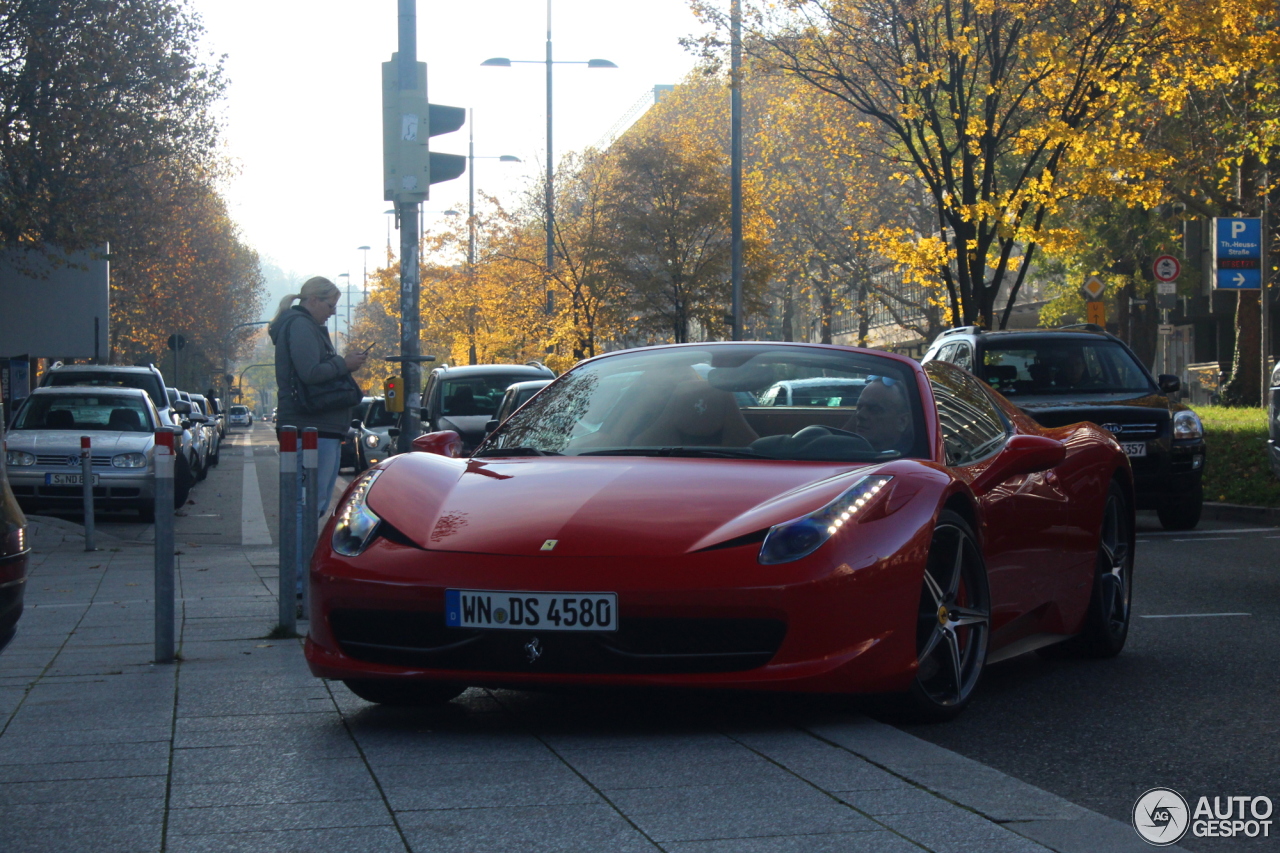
1021,367
378,416
85,412
142,381
709,401
239,410
468,396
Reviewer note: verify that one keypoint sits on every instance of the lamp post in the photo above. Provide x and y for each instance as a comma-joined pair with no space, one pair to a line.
226,348
471,224
503,62
391,215
365,281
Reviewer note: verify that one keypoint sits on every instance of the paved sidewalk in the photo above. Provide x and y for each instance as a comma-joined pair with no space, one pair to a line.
238,748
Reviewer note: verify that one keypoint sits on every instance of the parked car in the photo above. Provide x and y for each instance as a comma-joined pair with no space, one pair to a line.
683,540
352,453
14,549
814,391
376,441
464,398
516,395
43,448
195,439
213,438
149,379
1273,422
215,411
1064,376
239,416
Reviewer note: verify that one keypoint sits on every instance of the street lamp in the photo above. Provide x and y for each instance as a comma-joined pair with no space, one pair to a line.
471,184
346,291
503,62
365,281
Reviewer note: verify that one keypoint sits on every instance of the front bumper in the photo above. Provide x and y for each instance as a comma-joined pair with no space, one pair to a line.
116,487
1170,472
709,619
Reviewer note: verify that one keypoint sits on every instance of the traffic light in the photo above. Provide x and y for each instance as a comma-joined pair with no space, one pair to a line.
409,167
391,390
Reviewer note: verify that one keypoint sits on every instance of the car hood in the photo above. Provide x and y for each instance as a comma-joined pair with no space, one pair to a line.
597,506
68,441
1100,408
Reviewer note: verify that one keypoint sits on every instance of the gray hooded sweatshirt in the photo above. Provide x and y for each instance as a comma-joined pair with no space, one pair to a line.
303,345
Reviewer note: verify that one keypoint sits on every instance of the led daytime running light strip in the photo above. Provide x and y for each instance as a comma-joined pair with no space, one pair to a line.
358,495
855,499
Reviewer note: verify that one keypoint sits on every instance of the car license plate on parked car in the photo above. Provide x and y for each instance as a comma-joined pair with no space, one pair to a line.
67,479
560,611
1134,448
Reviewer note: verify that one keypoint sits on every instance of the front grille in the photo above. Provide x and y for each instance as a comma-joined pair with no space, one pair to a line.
640,646
53,460
1134,432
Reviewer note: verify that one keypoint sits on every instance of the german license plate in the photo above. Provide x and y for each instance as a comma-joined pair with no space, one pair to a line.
559,611
67,479
1134,448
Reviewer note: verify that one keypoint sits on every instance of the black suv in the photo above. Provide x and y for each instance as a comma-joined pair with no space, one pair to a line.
465,397
1082,373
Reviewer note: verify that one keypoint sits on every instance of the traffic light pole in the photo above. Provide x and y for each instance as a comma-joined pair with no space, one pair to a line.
410,275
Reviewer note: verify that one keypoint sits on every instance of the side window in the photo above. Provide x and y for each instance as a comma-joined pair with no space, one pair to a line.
947,353
972,427
963,357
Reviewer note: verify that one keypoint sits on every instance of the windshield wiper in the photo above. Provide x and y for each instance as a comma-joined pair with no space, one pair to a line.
691,452
517,451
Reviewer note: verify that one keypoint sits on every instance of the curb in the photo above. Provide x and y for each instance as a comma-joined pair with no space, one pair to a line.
1260,515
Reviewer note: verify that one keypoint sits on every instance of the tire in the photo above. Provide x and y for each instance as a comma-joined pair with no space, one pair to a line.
183,480
1185,514
201,471
953,625
1106,624
404,693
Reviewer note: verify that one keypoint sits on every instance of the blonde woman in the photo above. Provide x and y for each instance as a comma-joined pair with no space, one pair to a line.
303,349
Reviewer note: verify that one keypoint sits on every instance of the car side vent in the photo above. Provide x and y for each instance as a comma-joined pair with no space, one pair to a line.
738,541
392,534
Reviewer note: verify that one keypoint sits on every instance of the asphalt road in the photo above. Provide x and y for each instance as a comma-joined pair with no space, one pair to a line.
1191,704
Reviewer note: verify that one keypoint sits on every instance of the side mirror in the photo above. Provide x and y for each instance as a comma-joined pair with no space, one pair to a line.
199,419
443,443
182,407
491,426
1169,384
393,432
356,423
1022,454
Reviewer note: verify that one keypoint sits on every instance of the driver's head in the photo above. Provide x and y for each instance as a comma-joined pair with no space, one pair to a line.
883,417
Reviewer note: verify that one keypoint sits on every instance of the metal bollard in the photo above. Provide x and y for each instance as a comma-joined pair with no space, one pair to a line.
288,525
86,470
164,585
310,515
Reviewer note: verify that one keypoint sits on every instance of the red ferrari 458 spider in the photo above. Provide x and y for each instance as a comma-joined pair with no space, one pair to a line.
749,515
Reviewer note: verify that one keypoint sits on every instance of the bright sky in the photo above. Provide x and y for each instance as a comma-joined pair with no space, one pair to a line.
304,106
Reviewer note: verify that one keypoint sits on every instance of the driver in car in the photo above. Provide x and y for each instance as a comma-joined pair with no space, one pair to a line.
883,417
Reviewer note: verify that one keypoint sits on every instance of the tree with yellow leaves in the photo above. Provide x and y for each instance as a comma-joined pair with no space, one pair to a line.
1001,109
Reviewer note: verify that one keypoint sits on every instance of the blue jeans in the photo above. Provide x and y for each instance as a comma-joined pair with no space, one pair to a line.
328,461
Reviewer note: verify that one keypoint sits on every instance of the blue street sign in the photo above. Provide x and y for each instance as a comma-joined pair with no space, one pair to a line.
1237,253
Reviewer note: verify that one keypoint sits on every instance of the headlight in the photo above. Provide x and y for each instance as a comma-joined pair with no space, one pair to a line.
19,457
371,440
129,460
356,522
802,536
1186,424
